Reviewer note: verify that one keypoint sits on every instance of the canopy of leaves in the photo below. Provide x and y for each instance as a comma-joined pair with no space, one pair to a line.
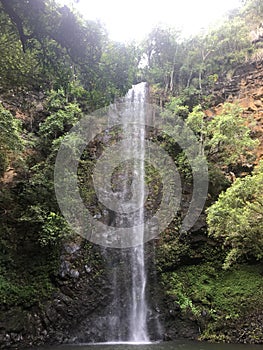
236,218
225,138
195,64
51,47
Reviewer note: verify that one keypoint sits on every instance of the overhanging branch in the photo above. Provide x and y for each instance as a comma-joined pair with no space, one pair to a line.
7,6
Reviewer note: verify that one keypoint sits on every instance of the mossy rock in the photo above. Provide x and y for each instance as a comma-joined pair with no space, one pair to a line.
220,301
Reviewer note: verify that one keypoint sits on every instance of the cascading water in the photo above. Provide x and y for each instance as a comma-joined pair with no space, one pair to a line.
138,316
128,320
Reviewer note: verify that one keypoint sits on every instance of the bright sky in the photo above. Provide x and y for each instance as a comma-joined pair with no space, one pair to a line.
134,19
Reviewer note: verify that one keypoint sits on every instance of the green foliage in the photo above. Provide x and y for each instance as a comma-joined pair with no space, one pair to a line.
3,163
56,100
218,182
178,107
161,48
171,252
225,138
16,68
63,116
10,137
253,11
194,65
14,293
196,120
221,296
184,167
237,216
44,45
10,129
58,123
54,229
118,68
229,139
39,20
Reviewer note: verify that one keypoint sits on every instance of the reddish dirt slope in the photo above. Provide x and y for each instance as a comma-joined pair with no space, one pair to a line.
245,88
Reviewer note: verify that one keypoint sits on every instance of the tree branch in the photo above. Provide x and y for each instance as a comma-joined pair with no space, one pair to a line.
16,20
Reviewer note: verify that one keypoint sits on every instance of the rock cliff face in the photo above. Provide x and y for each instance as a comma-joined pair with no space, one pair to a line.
80,306
245,88
80,288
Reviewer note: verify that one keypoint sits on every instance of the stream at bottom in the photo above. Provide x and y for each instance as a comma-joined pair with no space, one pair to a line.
177,345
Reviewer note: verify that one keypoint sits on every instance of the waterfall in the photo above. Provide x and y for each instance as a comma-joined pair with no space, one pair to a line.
138,316
128,320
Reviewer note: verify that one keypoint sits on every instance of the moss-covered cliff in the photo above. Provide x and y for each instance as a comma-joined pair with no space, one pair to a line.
209,302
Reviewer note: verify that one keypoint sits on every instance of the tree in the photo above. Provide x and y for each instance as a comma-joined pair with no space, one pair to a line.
236,219
162,50
57,43
38,20
225,138
16,68
197,63
253,10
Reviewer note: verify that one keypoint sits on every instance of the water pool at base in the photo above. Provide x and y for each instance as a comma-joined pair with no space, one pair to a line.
177,345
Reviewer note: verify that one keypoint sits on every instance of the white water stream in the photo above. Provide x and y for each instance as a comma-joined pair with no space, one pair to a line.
128,315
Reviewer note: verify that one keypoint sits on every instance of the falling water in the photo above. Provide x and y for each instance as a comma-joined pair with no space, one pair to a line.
128,321
138,315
